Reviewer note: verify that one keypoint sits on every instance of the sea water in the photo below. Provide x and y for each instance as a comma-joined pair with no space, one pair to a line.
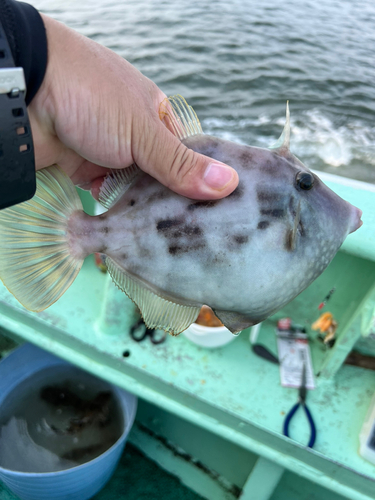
58,418
238,61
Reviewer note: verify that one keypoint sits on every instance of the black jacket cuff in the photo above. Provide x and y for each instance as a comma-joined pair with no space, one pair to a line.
27,39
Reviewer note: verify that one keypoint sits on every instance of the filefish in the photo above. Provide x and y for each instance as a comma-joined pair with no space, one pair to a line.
245,256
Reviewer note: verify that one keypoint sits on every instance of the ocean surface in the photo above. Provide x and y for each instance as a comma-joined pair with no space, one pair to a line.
237,62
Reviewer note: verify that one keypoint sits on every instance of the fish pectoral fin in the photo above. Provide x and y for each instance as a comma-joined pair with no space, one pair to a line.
116,183
179,117
291,241
235,322
156,311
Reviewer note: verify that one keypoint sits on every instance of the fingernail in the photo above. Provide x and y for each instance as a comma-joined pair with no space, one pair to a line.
218,176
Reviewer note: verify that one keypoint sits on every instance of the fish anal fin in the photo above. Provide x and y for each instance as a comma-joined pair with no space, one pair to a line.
235,322
156,311
179,117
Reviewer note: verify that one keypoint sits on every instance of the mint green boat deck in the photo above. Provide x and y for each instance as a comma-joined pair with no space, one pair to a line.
213,417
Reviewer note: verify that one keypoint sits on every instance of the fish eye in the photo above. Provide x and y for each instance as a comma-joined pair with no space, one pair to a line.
305,180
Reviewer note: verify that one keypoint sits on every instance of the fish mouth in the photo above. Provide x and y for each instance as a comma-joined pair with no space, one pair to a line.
356,221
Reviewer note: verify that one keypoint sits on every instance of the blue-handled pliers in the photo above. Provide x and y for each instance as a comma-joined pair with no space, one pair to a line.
302,393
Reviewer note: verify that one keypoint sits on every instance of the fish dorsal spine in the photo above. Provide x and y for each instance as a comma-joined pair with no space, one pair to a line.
283,143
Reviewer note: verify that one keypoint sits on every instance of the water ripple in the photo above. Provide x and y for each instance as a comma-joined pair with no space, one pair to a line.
238,62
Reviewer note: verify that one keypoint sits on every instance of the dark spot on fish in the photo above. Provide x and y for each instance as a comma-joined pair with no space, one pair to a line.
246,158
268,196
132,202
202,204
174,249
269,167
158,195
214,142
217,260
301,228
144,252
263,196
275,167
192,230
124,256
187,230
273,212
241,239
237,193
211,152
166,224
105,229
291,206
210,146
180,249
263,224
103,249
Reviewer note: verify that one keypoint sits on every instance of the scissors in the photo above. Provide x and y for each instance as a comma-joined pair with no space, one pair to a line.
302,393
138,333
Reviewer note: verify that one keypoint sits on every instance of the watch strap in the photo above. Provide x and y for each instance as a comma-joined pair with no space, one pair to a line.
17,162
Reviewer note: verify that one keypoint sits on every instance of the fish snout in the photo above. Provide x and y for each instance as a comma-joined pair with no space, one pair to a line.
355,222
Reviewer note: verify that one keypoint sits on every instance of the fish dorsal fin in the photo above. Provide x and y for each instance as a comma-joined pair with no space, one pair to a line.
179,117
116,183
283,144
233,321
36,264
156,311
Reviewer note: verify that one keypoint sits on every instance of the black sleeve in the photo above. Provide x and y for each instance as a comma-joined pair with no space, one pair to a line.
27,39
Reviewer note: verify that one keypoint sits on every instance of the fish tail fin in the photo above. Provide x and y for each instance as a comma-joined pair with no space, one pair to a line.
179,117
35,261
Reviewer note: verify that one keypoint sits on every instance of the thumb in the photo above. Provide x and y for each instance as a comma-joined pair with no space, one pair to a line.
181,169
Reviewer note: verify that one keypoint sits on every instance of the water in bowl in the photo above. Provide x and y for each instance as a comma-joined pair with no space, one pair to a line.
56,419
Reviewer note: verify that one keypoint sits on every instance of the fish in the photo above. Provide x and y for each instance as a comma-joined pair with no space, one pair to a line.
245,256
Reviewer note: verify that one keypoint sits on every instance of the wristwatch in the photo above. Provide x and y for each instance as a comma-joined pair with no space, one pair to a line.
17,162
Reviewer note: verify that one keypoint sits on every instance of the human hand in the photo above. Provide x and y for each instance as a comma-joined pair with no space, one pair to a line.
95,110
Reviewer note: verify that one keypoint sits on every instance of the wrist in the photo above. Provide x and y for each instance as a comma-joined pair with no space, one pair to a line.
50,101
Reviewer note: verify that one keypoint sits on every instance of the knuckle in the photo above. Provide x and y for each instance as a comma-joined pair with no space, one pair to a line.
184,164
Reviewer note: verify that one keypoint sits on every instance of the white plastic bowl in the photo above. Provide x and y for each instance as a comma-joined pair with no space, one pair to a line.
78,483
209,336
